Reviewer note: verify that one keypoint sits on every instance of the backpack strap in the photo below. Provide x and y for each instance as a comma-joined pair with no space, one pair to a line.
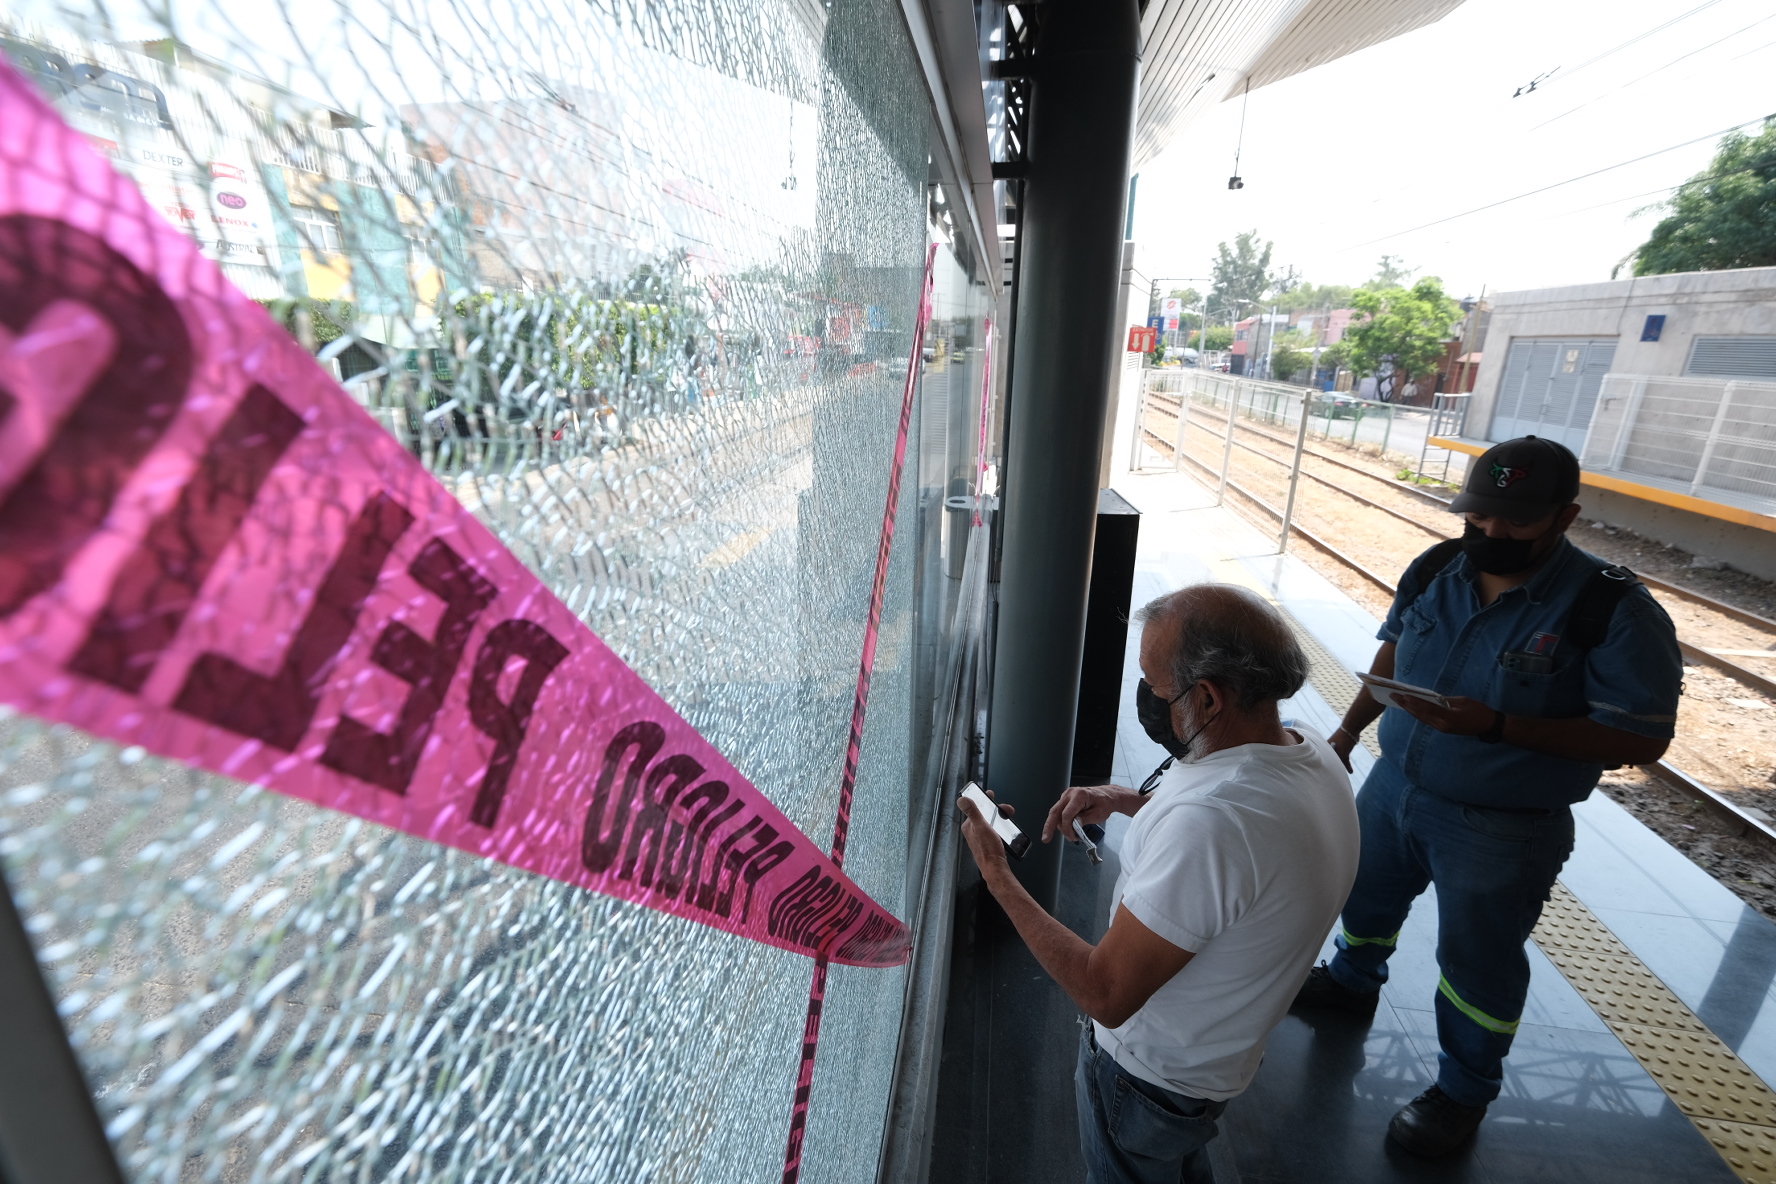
1586,626
1589,622
1427,567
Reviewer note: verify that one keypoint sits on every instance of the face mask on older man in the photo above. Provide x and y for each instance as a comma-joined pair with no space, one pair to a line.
1155,715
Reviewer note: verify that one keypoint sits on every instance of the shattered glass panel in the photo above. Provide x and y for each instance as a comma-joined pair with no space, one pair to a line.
637,282
930,546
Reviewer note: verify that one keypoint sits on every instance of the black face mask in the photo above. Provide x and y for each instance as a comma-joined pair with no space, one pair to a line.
1155,715
1498,557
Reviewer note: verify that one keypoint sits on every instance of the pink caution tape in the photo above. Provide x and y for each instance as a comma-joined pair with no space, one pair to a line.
208,549
980,466
798,1119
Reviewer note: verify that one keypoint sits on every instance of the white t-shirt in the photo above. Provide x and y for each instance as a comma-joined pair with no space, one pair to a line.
1244,858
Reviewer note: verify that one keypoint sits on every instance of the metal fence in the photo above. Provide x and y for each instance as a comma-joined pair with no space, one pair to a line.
1229,400
1223,401
1333,415
1709,437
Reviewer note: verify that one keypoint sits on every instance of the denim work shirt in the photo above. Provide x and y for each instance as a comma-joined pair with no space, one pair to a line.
1511,655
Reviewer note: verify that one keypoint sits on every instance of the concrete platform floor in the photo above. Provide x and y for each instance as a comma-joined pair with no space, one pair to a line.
1577,1107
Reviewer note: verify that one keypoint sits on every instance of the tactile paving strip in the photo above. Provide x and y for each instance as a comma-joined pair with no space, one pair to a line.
1749,1150
1728,1103
1336,685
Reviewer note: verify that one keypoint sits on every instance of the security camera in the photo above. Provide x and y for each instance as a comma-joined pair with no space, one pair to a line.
1235,183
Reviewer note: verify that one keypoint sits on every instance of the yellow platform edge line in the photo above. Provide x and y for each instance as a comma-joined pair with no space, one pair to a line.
1646,493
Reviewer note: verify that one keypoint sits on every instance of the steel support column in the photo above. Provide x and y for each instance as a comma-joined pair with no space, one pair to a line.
1087,69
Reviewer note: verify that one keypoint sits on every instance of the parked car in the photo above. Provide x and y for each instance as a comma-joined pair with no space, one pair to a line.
1337,406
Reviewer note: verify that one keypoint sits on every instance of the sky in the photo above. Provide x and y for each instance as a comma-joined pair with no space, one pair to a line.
1343,163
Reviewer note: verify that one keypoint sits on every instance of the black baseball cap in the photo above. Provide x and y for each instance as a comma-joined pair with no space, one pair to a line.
1525,479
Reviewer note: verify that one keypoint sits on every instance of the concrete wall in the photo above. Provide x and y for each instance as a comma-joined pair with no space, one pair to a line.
1124,378
1694,303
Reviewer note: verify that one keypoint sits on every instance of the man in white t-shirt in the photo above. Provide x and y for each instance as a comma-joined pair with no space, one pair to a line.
1233,872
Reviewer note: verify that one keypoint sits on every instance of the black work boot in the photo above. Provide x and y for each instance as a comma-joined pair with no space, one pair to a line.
1434,1124
1322,992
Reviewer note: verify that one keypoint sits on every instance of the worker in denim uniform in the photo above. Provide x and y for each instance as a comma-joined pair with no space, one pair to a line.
1475,797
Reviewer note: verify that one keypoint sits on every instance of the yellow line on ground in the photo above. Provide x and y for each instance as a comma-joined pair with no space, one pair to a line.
1645,493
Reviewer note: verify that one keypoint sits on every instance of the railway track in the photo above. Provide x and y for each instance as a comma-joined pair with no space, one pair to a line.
1720,804
1719,661
1218,425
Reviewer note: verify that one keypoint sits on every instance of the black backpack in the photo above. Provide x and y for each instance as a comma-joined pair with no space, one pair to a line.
1589,621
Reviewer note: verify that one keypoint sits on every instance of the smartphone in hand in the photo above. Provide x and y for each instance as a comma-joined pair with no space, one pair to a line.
1015,840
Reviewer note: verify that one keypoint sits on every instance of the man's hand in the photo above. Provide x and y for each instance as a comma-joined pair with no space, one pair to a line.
1110,981
1463,716
988,848
1576,739
1089,803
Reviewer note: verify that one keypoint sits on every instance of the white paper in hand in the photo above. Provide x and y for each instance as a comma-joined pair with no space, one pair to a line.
1387,692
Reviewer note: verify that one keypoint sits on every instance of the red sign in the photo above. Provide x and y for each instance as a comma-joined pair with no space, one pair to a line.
1143,339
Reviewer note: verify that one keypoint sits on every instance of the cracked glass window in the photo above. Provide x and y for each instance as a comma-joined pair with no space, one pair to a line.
638,285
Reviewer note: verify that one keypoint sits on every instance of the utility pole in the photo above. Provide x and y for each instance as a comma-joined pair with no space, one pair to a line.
1461,366
1270,356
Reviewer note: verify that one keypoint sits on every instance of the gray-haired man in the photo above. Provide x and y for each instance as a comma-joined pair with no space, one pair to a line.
1232,873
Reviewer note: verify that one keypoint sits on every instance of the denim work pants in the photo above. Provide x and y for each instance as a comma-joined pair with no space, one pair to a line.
1134,1132
1493,870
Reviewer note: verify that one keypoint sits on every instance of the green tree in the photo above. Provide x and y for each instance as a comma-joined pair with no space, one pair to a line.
1315,297
1722,218
1288,362
1402,334
1242,274
1391,272
1220,337
327,319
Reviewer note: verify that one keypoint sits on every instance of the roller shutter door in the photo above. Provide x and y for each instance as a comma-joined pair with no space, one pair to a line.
1549,388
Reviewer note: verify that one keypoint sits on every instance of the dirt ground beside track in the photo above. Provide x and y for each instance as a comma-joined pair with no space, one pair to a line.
1742,862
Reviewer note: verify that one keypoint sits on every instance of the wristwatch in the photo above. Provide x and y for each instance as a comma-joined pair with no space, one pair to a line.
1496,732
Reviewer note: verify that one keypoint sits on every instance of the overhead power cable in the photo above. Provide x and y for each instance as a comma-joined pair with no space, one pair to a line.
1703,179
1674,61
1636,39
1556,185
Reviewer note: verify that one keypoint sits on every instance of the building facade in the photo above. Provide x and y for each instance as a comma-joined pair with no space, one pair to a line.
1547,350
1666,388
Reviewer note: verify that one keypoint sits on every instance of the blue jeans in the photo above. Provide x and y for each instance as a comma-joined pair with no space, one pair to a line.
1134,1132
1493,870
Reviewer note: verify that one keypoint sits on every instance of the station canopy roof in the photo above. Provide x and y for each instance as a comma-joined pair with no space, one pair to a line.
1197,53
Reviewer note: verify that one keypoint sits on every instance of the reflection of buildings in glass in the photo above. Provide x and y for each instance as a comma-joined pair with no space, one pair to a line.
543,194
534,182
585,179
288,204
